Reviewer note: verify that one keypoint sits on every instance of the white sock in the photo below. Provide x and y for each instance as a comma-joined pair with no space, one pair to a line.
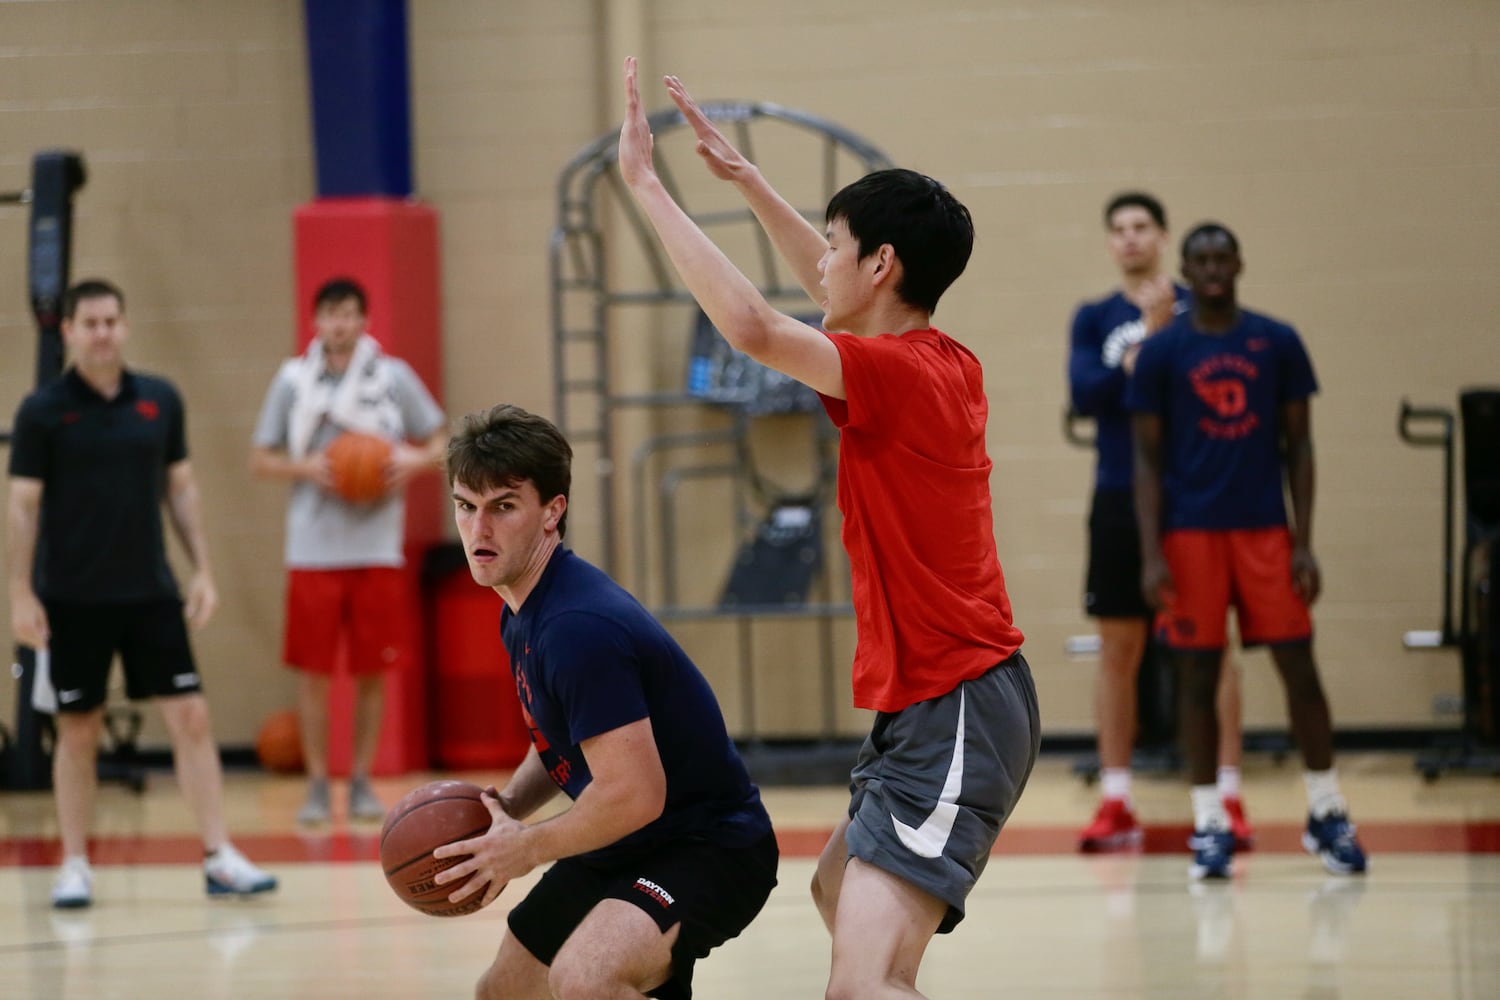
1323,795
1114,782
1229,782
1208,809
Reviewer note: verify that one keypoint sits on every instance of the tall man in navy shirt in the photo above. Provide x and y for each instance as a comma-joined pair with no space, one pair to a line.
95,456
1221,420
1107,335
666,851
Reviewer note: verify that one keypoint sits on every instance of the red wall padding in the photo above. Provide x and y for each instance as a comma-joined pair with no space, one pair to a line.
476,714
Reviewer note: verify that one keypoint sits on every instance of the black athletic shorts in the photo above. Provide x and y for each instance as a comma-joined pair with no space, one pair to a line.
150,637
1114,579
713,891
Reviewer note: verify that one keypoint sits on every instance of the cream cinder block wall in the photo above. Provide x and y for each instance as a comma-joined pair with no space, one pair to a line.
1352,146
192,121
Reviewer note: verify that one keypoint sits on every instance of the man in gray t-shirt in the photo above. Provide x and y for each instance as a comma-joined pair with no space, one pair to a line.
344,578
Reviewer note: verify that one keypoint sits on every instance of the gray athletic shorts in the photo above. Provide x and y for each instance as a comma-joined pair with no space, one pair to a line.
936,781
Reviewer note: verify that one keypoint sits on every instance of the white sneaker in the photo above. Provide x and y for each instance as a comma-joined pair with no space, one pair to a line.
74,887
227,872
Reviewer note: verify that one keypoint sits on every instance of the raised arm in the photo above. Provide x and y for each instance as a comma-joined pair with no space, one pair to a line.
731,301
799,242
183,509
28,619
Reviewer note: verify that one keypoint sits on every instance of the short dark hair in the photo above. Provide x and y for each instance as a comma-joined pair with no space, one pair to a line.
1210,228
1135,199
337,290
930,230
506,446
90,288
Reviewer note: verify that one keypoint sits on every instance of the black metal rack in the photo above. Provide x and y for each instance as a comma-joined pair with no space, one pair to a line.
1475,747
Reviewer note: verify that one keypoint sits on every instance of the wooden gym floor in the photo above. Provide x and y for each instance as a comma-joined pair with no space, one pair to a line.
1044,922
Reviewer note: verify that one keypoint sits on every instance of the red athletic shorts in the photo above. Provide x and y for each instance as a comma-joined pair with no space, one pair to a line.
1213,570
367,608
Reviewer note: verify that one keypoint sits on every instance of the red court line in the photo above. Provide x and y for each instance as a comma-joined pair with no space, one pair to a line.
345,846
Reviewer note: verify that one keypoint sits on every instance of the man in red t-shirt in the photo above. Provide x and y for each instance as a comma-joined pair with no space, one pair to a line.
938,657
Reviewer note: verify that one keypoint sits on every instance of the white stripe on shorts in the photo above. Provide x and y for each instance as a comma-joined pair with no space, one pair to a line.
929,839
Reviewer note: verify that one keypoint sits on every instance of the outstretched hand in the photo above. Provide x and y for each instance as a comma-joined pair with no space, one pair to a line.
635,133
724,161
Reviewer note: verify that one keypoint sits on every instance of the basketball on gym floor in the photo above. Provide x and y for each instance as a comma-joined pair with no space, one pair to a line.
279,742
358,463
428,817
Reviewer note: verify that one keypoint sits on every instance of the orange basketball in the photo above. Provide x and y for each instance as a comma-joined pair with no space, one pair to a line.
279,742
358,463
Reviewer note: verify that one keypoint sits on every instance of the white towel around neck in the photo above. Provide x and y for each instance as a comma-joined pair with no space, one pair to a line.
359,401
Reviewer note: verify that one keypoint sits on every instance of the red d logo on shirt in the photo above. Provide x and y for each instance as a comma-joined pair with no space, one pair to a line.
1226,397
148,409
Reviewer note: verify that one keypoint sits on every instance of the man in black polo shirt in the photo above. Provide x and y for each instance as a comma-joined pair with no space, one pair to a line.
94,456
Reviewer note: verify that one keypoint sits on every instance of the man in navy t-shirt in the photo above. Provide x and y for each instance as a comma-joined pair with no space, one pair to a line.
666,851
1106,339
1220,404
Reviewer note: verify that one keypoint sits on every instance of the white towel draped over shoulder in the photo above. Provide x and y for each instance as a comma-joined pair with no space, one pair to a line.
361,401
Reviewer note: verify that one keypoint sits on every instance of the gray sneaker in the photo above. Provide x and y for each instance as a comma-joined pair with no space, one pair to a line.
317,809
363,804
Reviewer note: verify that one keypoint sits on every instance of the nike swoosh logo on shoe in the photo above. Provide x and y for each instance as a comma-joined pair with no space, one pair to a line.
929,839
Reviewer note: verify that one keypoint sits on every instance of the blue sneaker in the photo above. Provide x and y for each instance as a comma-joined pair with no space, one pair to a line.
1332,839
1213,854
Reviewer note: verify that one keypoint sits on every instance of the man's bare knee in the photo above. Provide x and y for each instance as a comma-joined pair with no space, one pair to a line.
488,987
852,983
839,989
513,975
573,980
79,733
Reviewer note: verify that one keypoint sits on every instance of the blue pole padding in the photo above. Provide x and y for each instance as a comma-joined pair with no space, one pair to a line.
360,92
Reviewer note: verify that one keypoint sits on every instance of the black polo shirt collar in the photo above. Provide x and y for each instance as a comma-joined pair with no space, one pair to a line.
83,392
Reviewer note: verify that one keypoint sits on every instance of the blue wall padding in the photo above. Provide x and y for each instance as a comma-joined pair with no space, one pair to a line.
361,105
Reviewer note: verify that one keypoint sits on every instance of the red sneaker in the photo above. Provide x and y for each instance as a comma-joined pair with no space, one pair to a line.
1114,829
1244,837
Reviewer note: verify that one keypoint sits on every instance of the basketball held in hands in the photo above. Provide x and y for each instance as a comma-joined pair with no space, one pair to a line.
358,463
437,813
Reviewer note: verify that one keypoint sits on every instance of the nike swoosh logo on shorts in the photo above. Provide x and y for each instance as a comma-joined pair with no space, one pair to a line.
929,839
